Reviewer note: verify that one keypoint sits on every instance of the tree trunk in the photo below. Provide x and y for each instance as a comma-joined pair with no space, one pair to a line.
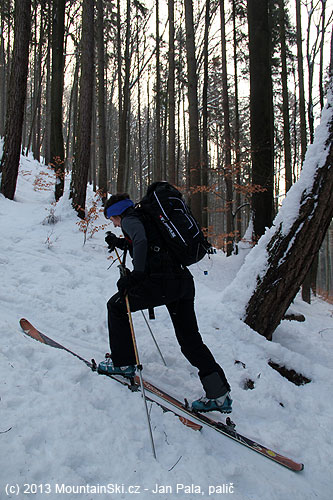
57,153
321,64
227,138
301,80
119,64
47,108
148,135
158,133
124,116
171,97
238,222
2,74
295,241
194,157
205,160
102,171
140,173
285,99
16,99
82,147
261,109
331,57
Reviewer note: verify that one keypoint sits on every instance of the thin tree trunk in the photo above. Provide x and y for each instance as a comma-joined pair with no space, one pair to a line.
2,75
158,133
238,228
148,135
171,97
82,148
57,153
102,170
119,65
194,156
310,57
301,80
285,99
204,163
139,110
321,63
123,131
227,137
47,134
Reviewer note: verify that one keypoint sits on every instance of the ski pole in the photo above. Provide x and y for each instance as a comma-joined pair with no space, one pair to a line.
137,360
153,337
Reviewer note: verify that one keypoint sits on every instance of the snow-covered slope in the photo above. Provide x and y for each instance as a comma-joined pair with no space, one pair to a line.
62,427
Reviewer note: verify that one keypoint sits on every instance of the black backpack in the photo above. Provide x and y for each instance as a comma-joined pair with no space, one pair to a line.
171,216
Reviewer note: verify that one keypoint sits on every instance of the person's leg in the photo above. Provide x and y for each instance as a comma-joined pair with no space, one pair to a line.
149,294
197,353
120,338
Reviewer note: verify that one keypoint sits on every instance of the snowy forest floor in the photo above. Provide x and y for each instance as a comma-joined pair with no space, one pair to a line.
63,427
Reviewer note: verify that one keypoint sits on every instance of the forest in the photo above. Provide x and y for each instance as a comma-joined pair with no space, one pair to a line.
220,98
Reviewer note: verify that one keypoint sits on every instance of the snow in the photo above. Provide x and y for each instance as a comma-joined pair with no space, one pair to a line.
67,433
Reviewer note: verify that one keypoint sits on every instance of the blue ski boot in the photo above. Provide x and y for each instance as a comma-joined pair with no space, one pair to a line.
108,367
222,404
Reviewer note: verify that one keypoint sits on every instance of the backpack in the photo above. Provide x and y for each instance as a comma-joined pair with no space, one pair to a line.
171,216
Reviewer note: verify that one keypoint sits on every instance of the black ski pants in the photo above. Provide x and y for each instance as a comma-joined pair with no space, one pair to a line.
176,291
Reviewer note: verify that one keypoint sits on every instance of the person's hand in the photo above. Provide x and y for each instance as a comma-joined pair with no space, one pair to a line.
130,281
113,241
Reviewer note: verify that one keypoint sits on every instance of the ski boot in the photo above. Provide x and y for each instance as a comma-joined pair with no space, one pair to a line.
108,368
222,404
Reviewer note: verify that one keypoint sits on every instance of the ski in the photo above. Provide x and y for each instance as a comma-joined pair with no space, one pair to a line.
32,332
227,429
180,409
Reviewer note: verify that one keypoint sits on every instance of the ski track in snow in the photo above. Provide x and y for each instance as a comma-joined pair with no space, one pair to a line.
70,427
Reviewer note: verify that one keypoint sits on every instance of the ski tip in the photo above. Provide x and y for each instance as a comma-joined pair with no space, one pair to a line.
23,322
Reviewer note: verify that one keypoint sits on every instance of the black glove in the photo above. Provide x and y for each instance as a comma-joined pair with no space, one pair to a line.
129,281
113,241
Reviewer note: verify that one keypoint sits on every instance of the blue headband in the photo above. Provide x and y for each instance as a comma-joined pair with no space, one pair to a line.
119,207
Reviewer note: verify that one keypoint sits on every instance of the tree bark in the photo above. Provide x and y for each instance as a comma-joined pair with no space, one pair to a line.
171,97
140,147
194,156
261,110
227,138
293,245
301,80
285,99
205,159
102,170
57,153
321,63
47,108
158,132
16,99
3,69
82,147
123,125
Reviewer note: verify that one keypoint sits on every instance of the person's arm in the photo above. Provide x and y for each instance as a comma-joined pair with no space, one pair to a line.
134,228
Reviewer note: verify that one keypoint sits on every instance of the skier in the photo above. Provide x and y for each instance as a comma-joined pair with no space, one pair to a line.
156,280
